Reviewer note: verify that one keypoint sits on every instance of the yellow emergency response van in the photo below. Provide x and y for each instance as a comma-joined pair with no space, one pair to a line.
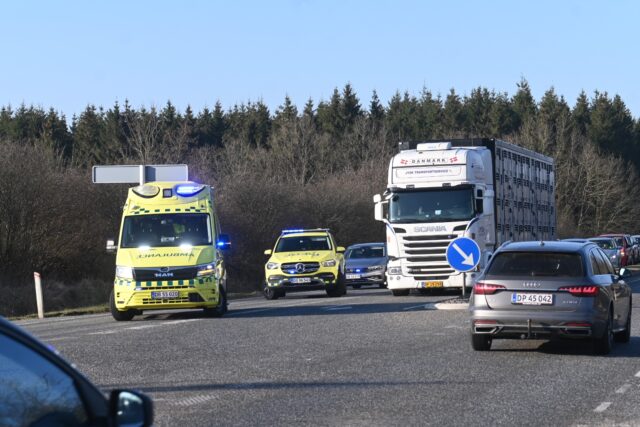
169,251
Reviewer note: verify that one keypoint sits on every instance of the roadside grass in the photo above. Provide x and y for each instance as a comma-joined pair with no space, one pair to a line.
104,308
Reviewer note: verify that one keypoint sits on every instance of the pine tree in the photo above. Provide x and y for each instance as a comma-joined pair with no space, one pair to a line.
350,109
581,114
453,117
376,112
523,104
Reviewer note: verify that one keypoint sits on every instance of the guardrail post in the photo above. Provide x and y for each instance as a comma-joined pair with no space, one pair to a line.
39,302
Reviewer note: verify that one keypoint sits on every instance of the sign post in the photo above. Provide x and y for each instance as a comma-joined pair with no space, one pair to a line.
39,302
463,254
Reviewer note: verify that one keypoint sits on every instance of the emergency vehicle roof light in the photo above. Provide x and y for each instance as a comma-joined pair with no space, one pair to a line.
302,230
190,189
146,190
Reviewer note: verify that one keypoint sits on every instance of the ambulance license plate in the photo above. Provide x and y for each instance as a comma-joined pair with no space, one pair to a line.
165,294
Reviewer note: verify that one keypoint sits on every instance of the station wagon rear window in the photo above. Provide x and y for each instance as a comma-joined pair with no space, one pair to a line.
536,264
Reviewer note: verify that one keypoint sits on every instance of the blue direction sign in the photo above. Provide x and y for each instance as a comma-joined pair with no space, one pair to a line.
463,254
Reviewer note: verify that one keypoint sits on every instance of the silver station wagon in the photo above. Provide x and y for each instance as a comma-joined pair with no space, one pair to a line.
540,290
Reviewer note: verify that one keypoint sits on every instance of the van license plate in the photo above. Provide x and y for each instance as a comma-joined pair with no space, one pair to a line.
301,280
531,299
165,294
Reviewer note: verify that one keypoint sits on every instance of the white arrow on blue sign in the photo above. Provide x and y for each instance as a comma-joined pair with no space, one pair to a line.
463,254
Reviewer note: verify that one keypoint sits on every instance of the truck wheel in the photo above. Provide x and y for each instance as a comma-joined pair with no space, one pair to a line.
120,316
400,292
270,293
222,307
481,342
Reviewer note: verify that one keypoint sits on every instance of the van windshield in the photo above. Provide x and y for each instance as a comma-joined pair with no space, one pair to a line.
303,243
166,230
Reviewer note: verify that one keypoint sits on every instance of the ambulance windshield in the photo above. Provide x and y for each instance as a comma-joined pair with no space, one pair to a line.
166,230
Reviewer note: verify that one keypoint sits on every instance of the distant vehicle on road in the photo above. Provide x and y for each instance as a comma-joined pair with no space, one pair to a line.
551,289
623,242
39,388
304,260
365,264
608,246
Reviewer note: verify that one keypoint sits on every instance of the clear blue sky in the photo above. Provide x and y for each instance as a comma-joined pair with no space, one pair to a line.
67,54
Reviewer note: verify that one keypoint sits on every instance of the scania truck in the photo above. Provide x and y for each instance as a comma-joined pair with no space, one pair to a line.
169,248
488,190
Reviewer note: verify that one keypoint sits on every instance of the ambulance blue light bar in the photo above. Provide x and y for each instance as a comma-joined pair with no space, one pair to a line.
187,190
303,230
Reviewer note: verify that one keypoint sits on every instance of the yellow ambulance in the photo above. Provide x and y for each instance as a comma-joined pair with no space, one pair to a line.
169,251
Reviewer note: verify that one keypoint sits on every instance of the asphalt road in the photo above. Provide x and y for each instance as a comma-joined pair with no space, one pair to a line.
364,359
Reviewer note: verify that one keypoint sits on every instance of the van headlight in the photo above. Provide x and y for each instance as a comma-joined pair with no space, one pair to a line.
206,270
124,272
272,265
329,263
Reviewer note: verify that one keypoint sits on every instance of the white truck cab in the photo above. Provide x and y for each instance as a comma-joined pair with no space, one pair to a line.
484,189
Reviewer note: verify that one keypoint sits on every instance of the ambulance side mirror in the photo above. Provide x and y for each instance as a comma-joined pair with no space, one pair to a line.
111,246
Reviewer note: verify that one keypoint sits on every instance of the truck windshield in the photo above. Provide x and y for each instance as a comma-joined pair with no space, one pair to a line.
439,205
166,230
303,243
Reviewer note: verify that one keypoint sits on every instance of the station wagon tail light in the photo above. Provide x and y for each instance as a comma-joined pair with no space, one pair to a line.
146,190
188,190
581,291
482,288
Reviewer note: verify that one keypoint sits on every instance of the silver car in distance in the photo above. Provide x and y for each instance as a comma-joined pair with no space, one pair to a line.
541,290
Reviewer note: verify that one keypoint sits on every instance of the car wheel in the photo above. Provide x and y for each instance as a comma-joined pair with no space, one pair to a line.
120,316
270,293
481,342
624,335
356,286
221,309
400,292
602,345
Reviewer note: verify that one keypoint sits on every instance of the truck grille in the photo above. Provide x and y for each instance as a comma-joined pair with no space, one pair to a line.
300,267
170,273
426,256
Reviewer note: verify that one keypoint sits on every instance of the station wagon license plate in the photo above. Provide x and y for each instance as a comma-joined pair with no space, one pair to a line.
301,280
165,294
531,299
354,276
431,284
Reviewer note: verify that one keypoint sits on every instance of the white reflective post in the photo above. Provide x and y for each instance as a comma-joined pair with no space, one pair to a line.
39,302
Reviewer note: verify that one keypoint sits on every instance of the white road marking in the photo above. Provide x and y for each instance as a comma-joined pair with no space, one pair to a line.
232,313
175,322
638,374
56,339
623,389
135,328
114,331
451,306
338,307
416,306
602,407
